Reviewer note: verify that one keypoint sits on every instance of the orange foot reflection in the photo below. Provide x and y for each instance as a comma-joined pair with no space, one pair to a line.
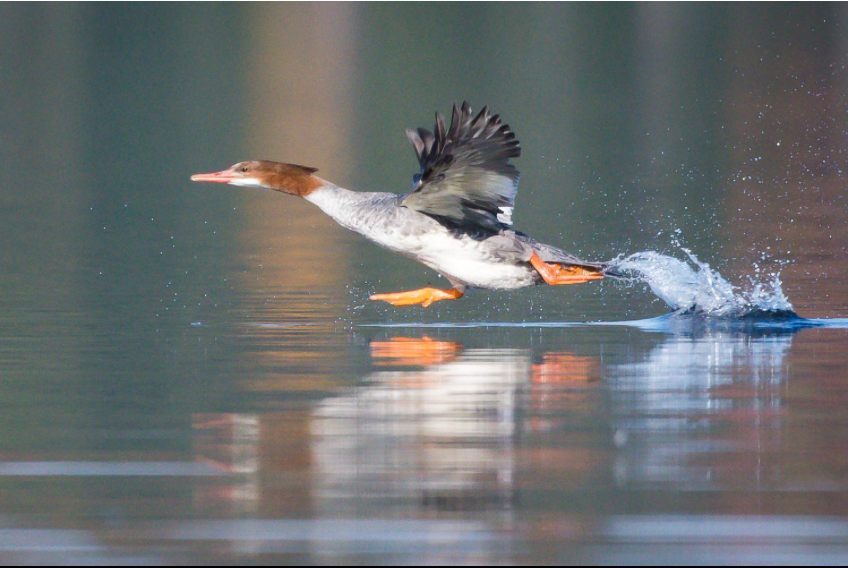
413,351
562,380
562,368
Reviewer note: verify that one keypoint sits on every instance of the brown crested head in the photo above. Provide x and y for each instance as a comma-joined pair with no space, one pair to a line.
288,178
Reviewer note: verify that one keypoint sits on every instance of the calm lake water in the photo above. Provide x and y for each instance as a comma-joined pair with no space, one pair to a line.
195,374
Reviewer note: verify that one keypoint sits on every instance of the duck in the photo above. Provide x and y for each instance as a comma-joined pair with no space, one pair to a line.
457,219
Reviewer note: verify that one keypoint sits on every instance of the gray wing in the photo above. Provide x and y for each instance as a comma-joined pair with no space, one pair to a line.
466,180
550,253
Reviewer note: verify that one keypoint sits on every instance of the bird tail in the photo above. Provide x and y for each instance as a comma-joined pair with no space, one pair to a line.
611,269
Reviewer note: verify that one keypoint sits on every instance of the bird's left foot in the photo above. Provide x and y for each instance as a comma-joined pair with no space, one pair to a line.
423,296
555,274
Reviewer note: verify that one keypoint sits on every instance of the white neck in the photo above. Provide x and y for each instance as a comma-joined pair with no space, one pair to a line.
337,202
367,213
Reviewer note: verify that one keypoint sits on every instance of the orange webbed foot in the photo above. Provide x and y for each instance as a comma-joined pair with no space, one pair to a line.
423,296
554,274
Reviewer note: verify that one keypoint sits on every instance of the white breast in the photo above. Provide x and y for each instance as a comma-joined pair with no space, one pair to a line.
471,263
462,259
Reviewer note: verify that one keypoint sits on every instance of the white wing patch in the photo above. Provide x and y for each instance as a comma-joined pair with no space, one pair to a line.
505,215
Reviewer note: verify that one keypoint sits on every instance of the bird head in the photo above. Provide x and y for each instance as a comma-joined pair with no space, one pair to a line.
287,178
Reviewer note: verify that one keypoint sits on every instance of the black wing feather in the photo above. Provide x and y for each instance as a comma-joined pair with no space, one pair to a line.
466,180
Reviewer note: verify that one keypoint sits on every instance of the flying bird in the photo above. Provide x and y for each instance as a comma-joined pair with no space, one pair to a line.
457,219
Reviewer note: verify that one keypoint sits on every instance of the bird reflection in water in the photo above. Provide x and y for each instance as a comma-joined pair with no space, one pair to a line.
438,428
438,437
702,410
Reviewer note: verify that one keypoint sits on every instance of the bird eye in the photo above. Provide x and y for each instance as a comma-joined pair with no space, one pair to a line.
244,168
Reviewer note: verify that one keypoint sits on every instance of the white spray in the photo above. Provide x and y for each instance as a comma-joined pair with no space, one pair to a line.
695,287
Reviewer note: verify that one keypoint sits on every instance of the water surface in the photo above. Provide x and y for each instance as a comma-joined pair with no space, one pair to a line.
195,374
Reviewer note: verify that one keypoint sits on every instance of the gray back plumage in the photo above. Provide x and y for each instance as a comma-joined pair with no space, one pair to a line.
466,181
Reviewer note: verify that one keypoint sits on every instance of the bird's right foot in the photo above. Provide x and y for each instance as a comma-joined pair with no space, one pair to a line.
555,274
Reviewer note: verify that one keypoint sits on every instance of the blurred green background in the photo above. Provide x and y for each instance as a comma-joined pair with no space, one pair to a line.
148,319
725,124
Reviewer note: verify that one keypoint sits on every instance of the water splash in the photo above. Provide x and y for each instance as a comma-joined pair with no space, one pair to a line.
694,287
